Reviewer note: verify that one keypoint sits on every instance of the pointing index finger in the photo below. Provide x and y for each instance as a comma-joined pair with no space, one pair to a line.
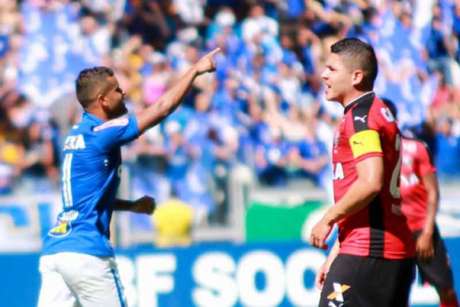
213,52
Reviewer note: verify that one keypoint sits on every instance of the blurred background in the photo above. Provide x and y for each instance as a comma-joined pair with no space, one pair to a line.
241,170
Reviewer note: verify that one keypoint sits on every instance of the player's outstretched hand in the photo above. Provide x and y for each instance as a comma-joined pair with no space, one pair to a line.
207,63
320,233
145,204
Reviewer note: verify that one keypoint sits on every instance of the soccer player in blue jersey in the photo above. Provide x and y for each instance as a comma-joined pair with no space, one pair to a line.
77,266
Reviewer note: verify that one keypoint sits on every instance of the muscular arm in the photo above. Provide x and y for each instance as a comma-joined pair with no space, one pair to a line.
167,103
170,100
361,192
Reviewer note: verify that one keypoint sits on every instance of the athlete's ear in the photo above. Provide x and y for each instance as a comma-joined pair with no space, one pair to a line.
357,77
102,100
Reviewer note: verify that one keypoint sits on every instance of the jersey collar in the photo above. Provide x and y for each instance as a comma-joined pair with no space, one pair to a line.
363,97
93,118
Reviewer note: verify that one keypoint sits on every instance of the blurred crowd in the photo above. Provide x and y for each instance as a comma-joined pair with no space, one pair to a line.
264,108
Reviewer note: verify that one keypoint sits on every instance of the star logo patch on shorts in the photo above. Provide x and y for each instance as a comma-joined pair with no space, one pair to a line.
339,290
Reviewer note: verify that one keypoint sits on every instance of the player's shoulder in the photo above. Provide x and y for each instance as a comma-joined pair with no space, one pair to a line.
357,114
411,139
112,124
381,112
414,145
370,112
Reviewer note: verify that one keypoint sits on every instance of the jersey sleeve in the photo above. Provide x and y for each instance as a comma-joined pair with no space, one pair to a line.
424,157
116,132
365,141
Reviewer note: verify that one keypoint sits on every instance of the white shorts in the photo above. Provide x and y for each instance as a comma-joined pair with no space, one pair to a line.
74,279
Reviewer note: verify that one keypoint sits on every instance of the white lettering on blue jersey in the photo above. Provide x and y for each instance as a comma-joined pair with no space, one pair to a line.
90,179
74,142
66,182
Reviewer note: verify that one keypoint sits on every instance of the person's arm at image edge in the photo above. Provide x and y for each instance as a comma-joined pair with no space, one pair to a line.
170,100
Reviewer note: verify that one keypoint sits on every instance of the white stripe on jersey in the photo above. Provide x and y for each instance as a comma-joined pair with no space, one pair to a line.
66,184
117,122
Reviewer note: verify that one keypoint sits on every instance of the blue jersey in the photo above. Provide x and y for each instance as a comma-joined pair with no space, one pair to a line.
90,179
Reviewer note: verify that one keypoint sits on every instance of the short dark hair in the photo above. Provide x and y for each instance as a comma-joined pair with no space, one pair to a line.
89,83
359,55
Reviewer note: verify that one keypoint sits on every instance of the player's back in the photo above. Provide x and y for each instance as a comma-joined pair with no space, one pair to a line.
368,129
89,182
416,163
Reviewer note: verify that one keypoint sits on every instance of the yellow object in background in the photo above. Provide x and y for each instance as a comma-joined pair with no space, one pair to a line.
173,221
9,153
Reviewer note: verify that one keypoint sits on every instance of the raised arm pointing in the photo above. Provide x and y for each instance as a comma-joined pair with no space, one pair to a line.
169,101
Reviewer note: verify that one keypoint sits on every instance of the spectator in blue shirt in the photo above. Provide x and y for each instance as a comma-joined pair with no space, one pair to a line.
437,48
447,159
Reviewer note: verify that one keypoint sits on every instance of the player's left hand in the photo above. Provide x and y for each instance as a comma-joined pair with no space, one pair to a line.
319,234
424,247
145,204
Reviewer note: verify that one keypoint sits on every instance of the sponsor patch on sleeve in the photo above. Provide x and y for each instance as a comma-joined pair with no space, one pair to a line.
117,122
364,142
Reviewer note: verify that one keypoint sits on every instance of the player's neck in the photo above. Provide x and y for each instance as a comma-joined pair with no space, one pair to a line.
98,113
353,97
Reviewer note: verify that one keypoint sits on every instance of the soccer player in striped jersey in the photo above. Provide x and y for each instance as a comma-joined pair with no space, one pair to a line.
372,263
419,203
77,265
420,195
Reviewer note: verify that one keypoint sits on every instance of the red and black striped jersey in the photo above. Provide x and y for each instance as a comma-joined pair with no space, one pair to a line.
416,163
368,129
